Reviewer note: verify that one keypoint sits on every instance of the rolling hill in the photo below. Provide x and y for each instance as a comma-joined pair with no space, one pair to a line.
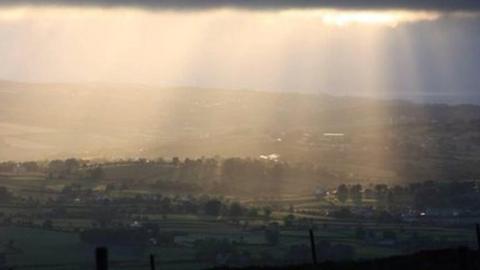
46,121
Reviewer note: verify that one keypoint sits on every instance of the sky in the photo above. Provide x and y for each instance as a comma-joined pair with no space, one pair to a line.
394,48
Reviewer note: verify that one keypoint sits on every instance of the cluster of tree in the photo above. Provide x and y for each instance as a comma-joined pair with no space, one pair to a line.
354,192
74,168
386,197
382,193
213,175
223,175
272,234
235,175
463,195
55,169
460,195
107,213
216,207
15,167
142,236
5,195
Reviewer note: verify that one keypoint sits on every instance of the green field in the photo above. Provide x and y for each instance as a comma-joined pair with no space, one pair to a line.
28,246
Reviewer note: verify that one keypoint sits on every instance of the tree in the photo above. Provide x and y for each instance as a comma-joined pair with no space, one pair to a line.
342,193
235,210
56,169
96,173
289,220
356,194
213,207
231,170
272,234
5,195
390,199
175,161
8,166
31,166
267,213
381,192
166,205
71,165
252,212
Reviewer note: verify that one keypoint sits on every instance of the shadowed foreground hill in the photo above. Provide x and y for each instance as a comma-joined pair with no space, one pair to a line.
451,259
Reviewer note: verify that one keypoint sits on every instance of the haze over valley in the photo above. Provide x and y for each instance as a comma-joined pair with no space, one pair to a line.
101,121
219,134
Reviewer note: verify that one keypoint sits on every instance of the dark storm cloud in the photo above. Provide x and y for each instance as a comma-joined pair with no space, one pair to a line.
436,5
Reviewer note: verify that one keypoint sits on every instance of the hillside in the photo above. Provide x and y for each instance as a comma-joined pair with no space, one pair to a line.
39,121
451,259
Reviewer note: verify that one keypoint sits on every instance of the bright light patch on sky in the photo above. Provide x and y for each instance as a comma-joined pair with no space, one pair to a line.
327,16
390,18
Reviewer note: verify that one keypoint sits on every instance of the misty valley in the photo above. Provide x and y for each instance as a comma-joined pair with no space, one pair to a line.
235,178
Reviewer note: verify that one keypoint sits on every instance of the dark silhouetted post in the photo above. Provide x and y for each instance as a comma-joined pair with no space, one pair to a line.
478,236
463,259
101,256
152,262
312,244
